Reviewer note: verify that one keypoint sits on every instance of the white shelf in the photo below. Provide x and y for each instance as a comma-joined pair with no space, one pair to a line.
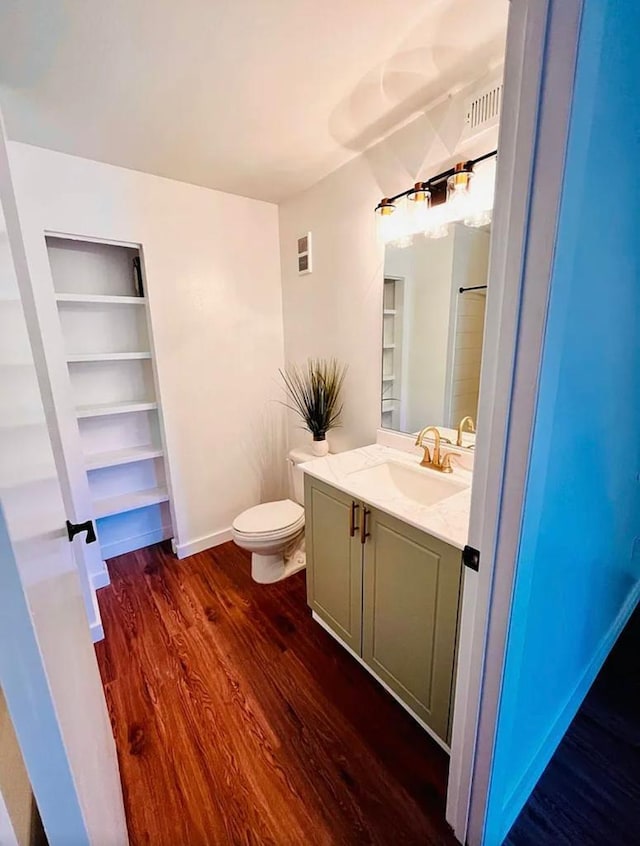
100,299
388,346
121,456
388,378
121,356
114,408
129,502
389,311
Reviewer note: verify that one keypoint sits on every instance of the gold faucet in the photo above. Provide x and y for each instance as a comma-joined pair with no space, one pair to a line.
472,428
435,461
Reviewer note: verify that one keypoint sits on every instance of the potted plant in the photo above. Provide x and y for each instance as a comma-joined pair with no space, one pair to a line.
314,395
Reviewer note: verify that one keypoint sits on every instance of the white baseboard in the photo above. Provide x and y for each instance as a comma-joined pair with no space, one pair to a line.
101,579
525,786
110,550
420,722
95,624
97,632
183,550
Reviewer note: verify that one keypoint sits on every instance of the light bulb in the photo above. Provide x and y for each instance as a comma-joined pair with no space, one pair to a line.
401,234
458,196
386,223
418,208
438,224
476,219
481,195
403,241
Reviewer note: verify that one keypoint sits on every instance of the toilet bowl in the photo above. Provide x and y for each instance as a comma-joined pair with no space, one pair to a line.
274,532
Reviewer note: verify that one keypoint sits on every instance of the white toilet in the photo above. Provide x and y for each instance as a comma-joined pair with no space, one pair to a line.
274,532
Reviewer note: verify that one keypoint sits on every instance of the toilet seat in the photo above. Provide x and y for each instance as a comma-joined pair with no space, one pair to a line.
270,521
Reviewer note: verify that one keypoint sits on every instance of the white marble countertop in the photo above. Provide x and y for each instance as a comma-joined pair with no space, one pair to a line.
447,519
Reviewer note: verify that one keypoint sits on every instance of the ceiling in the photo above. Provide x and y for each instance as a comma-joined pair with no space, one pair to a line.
256,97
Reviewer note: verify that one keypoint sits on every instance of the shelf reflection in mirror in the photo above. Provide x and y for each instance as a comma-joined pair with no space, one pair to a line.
432,332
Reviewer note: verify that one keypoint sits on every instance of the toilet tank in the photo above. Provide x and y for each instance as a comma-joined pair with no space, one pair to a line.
296,475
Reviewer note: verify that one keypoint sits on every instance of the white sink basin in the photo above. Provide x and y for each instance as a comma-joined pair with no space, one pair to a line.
420,485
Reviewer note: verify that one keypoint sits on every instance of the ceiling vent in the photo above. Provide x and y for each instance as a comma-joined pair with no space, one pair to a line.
483,105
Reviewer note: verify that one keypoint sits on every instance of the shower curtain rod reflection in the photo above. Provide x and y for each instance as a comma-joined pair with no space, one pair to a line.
473,288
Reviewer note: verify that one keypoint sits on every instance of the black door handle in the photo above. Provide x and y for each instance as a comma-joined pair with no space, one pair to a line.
75,528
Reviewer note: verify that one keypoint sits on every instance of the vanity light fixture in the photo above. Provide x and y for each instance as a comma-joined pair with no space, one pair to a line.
430,206
388,228
460,179
420,193
385,207
458,192
418,213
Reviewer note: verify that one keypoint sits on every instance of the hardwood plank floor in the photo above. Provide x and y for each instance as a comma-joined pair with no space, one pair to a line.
238,720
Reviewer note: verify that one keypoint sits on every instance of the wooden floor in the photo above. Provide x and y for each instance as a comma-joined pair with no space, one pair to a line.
239,720
589,795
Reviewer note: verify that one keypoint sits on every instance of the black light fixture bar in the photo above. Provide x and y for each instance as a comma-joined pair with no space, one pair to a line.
435,184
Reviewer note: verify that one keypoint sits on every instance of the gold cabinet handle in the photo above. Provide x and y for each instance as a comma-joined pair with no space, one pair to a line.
364,534
352,519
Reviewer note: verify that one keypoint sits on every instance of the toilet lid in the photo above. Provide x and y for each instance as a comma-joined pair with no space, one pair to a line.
269,517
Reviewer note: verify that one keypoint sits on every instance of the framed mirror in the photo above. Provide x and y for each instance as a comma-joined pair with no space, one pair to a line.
434,301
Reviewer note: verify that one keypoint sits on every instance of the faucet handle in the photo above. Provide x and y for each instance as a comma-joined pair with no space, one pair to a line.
445,462
426,458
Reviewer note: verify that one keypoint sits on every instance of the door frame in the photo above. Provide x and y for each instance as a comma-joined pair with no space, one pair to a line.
540,63
56,704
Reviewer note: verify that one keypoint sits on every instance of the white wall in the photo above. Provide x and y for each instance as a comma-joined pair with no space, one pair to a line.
337,310
213,279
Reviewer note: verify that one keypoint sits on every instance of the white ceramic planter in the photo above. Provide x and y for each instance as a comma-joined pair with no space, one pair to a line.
320,448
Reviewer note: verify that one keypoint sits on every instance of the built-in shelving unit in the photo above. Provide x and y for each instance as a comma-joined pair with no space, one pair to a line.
392,315
117,457
115,356
111,408
100,299
104,326
122,503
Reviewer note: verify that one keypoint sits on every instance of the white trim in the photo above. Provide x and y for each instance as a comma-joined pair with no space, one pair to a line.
94,239
110,550
513,177
361,661
97,632
100,580
95,622
100,299
183,550
540,68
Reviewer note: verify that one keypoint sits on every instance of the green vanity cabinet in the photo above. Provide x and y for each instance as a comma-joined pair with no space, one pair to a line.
334,560
391,593
412,585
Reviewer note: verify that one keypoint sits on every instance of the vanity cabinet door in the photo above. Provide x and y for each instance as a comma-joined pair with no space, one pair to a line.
412,585
334,560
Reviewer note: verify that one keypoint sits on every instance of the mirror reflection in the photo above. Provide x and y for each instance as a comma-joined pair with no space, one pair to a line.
432,331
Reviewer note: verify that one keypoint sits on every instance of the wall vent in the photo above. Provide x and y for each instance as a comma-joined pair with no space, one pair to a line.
483,107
